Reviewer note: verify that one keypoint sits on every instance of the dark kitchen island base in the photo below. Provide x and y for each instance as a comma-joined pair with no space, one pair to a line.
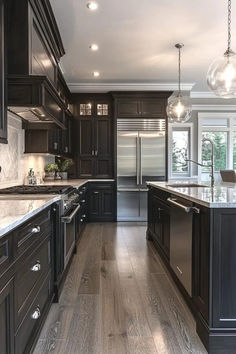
213,298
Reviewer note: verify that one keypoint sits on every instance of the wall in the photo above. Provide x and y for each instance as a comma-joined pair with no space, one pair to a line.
15,164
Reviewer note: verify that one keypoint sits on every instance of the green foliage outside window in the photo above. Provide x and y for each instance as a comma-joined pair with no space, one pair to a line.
220,150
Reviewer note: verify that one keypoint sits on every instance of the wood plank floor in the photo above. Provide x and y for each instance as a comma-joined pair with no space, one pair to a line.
118,299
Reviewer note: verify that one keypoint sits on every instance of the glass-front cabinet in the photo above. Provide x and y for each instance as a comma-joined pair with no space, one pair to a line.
94,109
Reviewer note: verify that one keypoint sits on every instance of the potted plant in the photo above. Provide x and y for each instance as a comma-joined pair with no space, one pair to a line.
50,170
63,167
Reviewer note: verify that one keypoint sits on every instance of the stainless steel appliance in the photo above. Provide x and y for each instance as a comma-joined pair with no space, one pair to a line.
141,156
181,219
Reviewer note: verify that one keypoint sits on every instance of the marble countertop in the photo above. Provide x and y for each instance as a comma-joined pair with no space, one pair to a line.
74,182
222,195
16,210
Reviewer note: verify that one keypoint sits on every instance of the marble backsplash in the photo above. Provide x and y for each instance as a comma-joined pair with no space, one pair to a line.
14,163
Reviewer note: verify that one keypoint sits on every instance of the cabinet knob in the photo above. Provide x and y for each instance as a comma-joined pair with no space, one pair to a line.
36,267
36,314
83,216
55,145
96,153
83,201
95,192
36,229
66,149
81,220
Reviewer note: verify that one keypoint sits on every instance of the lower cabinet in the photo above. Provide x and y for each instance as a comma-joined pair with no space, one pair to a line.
101,202
26,283
159,223
6,318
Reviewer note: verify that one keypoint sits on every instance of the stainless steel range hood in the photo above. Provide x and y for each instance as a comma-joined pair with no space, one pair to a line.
35,100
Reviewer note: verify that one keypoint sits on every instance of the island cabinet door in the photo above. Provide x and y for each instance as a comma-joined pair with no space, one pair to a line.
6,318
201,260
224,269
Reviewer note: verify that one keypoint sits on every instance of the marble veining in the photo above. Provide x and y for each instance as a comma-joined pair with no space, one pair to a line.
14,212
222,195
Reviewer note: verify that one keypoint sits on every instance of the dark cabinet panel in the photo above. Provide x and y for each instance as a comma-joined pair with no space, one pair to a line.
201,257
153,107
102,202
86,138
161,224
94,147
6,319
128,108
3,81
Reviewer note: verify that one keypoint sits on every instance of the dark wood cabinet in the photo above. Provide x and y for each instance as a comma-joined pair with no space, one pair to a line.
201,264
159,222
3,81
102,201
6,317
93,137
141,105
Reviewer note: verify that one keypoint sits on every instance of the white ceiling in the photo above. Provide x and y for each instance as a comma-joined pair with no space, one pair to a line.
136,39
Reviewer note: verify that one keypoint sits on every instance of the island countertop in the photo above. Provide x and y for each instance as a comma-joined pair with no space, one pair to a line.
16,210
222,195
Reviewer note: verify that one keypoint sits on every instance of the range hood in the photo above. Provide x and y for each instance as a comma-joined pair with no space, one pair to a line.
35,100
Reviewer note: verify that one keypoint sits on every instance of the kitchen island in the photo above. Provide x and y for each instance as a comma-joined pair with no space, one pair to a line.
193,228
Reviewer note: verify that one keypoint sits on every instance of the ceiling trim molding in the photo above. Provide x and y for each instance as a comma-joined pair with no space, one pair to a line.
203,94
214,107
106,87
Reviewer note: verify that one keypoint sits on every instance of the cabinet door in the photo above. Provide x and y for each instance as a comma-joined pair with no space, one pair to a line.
86,137
3,86
107,208
201,256
161,224
152,107
95,202
128,108
54,141
6,318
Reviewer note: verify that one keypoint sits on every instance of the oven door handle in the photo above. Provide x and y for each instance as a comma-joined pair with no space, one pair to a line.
68,219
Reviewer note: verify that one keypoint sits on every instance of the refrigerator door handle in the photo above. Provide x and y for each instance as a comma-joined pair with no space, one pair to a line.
140,159
137,161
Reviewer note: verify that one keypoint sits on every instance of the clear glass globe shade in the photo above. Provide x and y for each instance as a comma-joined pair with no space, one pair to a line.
179,109
221,76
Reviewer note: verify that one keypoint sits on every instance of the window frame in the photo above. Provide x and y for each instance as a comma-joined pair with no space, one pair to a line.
178,127
230,129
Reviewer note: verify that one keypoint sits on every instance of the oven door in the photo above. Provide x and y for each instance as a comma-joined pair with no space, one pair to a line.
69,228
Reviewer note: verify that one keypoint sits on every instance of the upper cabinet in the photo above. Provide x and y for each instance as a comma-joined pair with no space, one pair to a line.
93,136
141,105
3,87
37,91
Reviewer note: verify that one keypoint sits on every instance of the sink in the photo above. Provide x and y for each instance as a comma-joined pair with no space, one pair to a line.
186,185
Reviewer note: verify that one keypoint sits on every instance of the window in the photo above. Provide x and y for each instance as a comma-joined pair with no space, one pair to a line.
221,129
180,149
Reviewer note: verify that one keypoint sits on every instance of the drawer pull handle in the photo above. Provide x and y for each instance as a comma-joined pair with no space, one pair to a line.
36,267
81,220
36,314
83,201
95,192
81,193
36,229
83,216
179,270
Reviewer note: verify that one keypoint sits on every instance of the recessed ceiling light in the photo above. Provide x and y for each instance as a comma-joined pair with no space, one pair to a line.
96,73
93,46
92,5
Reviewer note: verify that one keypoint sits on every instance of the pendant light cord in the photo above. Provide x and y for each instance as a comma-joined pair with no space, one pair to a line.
229,26
179,69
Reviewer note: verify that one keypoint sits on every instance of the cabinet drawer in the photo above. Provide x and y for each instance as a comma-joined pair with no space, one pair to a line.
32,232
6,252
28,279
32,320
101,186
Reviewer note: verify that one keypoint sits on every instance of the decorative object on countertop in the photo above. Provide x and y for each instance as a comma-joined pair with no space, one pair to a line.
31,179
221,76
50,171
179,107
63,167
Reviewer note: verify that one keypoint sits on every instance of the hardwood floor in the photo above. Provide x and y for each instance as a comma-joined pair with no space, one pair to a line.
118,299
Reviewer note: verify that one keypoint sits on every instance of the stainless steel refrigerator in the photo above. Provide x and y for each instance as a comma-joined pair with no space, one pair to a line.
141,157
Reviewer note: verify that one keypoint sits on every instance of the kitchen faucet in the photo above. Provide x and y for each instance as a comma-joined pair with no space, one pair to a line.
212,160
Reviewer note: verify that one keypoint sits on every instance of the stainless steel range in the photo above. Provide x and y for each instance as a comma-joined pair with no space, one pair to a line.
64,220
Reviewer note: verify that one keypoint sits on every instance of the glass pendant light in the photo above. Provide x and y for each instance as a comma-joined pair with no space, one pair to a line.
221,76
179,107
